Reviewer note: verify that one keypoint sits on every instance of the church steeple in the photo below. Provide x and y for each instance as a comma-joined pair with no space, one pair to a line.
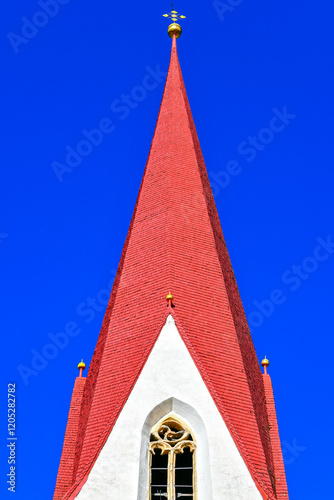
175,242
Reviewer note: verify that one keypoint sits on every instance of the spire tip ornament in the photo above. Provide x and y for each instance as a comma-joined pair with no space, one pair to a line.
169,299
174,28
81,367
265,364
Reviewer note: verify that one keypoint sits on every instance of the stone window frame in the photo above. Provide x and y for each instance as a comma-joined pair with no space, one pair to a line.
189,415
172,443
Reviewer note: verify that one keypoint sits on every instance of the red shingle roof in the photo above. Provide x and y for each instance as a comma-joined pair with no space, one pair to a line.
175,242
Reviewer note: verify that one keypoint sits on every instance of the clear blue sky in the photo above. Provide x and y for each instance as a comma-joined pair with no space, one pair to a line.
259,79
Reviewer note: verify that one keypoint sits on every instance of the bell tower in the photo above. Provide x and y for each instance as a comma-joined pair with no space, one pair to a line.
174,404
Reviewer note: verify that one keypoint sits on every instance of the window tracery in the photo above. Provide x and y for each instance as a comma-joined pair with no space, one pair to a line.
172,461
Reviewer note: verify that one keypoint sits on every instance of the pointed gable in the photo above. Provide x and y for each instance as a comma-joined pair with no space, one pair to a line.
175,242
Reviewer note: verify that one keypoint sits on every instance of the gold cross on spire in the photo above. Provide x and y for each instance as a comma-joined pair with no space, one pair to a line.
174,28
173,15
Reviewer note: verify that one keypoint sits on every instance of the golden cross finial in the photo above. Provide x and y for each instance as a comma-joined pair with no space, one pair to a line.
173,15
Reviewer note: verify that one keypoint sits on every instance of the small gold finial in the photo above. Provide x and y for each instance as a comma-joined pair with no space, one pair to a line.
81,367
169,299
174,28
265,364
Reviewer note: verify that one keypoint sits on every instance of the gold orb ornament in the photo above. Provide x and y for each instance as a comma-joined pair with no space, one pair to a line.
174,29
169,299
81,365
265,362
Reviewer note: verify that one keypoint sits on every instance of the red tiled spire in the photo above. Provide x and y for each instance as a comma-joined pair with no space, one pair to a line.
175,242
281,486
66,467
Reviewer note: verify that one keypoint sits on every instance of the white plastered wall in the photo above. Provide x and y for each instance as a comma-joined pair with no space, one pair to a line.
169,382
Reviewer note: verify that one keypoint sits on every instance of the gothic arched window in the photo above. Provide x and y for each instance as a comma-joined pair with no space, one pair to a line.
172,451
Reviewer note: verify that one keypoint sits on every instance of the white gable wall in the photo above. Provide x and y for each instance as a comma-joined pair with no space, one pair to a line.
169,382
